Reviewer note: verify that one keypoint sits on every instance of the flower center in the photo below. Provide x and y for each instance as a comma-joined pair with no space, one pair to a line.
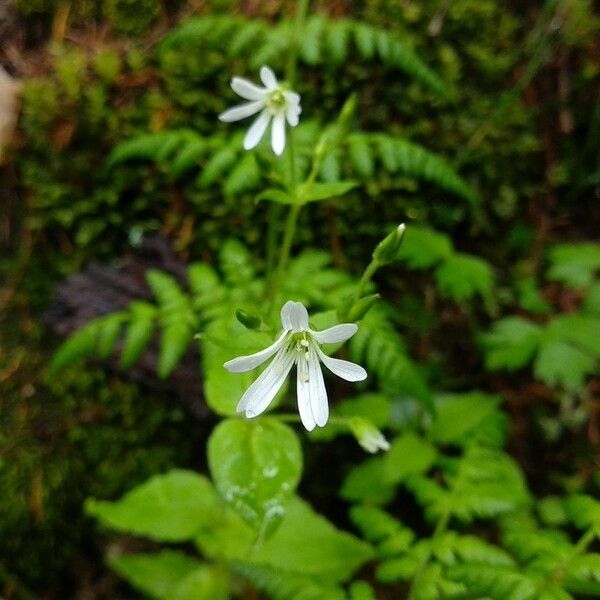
276,101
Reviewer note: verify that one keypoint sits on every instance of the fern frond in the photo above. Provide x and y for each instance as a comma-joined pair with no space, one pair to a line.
323,41
398,155
380,347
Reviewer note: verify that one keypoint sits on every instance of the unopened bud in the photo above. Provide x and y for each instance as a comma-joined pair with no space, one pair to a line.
247,320
387,250
367,435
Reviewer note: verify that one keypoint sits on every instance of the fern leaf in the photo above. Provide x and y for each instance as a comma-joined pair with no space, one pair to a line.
337,41
245,176
78,346
361,156
409,158
187,158
108,333
374,523
382,349
311,41
246,37
139,332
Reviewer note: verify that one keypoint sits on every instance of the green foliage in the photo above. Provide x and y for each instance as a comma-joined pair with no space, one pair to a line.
397,155
323,41
574,265
283,585
256,467
458,276
171,575
170,507
383,351
564,352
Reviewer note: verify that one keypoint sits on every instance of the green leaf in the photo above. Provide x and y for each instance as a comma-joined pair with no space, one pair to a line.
139,332
575,265
375,524
361,156
422,248
338,36
223,340
511,343
206,582
156,575
219,164
311,39
461,276
361,590
188,157
256,466
305,543
581,330
560,364
80,345
312,545
367,483
245,176
409,455
109,331
281,584
172,507
324,191
591,302
457,416
174,342
276,195
583,511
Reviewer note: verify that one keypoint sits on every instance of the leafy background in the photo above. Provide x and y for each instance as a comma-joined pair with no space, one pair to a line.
497,288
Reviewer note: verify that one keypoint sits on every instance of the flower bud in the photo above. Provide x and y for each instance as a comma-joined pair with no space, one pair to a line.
387,250
248,320
367,435
359,309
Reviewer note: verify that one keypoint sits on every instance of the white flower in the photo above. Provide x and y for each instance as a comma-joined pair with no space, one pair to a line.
272,101
299,345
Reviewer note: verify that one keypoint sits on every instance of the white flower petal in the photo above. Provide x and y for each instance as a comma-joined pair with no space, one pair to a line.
335,334
292,114
268,78
257,130
303,393
318,393
278,133
260,394
241,364
247,89
294,316
292,97
343,368
242,111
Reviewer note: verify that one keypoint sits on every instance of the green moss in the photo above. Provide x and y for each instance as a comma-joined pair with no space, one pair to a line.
131,17
86,434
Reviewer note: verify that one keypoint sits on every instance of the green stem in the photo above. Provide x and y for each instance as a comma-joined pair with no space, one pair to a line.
366,278
584,541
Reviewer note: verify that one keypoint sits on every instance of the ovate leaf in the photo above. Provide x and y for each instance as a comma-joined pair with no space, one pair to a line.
170,507
323,191
156,575
256,466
